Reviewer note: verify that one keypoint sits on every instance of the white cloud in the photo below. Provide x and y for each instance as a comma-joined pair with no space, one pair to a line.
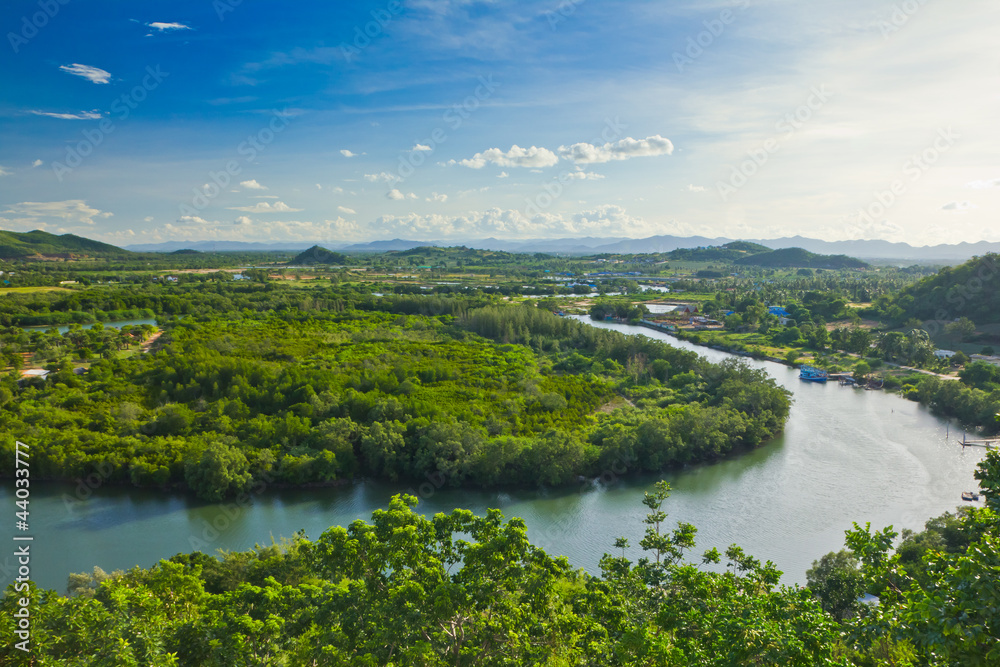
266,207
70,211
83,115
983,185
261,196
348,211
381,177
421,147
508,223
585,176
319,187
438,198
515,157
148,218
157,25
37,163
397,195
503,174
5,172
243,228
347,153
958,206
252,185
584,153
696,188
92,74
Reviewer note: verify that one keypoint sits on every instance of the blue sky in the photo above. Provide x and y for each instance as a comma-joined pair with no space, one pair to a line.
464,119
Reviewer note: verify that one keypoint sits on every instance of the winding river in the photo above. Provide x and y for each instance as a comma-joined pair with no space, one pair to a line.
847,455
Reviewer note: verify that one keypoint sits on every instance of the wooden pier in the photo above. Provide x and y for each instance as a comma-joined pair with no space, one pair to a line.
988,443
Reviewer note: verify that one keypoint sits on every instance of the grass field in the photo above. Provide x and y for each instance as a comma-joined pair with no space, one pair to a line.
29,290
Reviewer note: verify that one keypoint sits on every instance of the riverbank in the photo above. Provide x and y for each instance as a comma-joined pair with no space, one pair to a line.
844,456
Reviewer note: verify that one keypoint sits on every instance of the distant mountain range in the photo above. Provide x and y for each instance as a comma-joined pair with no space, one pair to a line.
874,249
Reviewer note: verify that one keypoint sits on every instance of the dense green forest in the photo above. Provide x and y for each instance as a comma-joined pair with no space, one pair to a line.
968,290
460,589
316,391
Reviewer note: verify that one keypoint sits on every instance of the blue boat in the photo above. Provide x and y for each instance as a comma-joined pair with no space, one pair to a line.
813,374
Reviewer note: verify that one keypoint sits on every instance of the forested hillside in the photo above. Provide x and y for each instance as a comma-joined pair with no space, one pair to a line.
19,245
969,290
797,257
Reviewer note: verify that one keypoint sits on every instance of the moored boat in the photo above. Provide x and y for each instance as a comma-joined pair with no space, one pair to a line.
970,495
813,374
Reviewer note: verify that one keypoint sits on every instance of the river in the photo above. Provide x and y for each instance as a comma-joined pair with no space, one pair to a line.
847,455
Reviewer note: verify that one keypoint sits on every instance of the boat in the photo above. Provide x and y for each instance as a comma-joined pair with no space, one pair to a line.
813,374
970,495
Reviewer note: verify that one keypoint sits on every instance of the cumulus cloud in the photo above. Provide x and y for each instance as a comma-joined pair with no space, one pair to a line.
508,223
515,157
194,220
157,25
438,198
585,176
148,218
421,147
36,163
347,153
696,188
503,174
348,211
958,206
92,74
381,177
266,207
252,185
395,194
243,228
983,185
584,153
70,211
83,115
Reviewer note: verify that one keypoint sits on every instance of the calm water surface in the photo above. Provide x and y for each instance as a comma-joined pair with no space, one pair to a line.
847,455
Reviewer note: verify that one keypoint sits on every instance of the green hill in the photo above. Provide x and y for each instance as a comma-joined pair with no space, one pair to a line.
968,290
318,255
28,245
797,257
729,252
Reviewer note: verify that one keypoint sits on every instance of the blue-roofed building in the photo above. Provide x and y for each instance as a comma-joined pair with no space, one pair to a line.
778,310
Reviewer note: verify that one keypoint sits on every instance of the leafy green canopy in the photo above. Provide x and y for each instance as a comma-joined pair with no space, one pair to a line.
455,589
505,396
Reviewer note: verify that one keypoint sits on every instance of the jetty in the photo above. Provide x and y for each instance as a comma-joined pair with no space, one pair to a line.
988,443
